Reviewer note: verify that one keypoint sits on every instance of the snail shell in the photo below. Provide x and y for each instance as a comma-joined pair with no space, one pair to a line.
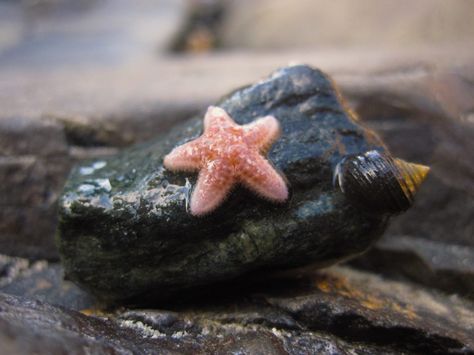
379,182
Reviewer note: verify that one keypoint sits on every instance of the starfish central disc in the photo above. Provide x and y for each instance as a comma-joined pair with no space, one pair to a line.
227,154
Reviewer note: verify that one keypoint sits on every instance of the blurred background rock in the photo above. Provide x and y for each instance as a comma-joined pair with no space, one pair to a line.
318,24
81,79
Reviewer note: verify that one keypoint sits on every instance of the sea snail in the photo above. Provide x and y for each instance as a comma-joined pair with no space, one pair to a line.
379,182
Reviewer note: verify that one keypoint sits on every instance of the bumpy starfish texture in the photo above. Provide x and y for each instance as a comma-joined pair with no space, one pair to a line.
227,154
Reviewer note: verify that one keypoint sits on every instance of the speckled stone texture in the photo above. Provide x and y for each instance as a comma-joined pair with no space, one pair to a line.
125,231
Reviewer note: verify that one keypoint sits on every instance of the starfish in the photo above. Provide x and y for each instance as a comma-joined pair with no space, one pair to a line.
227,154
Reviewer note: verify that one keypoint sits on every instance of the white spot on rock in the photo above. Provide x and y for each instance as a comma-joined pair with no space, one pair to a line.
87,170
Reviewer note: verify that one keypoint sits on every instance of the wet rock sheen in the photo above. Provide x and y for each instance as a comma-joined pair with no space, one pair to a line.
125,231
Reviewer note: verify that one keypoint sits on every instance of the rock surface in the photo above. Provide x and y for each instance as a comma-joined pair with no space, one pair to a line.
420,102
124,228
63,100
427,119
338,311
448,267
41,281
404,95
424,115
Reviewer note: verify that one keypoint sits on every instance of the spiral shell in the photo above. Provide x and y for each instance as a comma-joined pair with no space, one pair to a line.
379,182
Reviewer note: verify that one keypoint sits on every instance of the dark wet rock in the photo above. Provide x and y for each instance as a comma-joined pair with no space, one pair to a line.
35,160
31,327
447,267
30,186
359,306
124,229
338,311
46,126
42,281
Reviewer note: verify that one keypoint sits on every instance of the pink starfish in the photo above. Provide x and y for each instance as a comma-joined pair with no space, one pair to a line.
227,154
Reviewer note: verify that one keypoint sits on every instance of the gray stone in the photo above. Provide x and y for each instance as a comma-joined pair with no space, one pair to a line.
124,229
41,281
358,306
448,267
32,327
336,311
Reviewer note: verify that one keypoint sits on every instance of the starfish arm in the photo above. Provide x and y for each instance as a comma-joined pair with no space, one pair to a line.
262,132
216,117
260,176
186,157
214,183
